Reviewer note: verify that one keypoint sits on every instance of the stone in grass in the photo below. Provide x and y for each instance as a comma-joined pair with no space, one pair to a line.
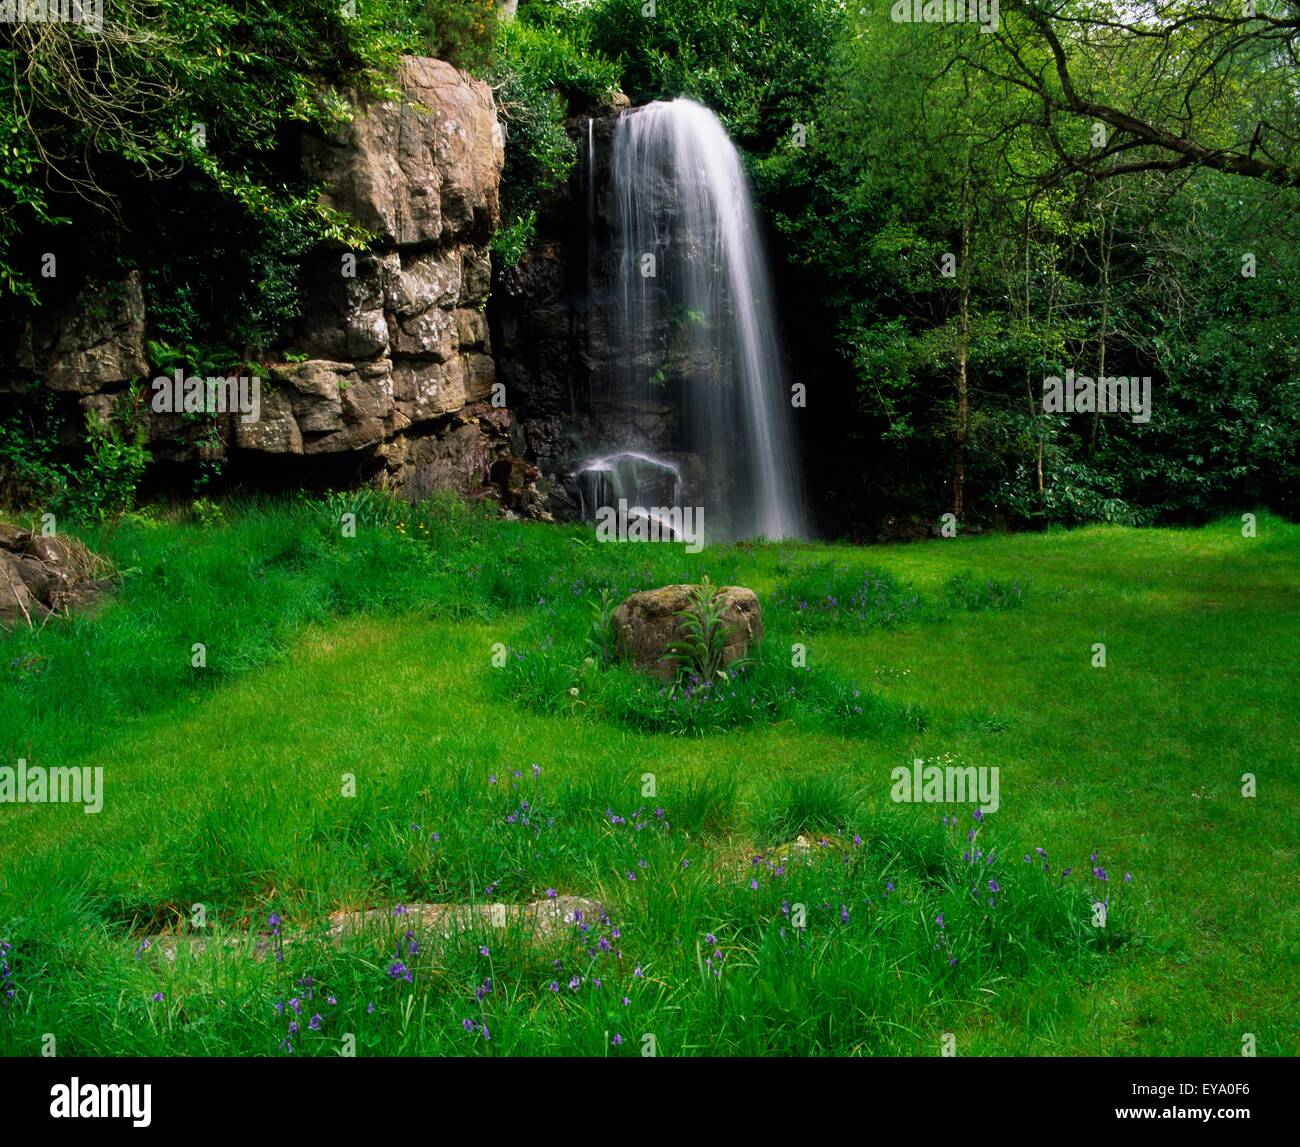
648,623
432,923
40,576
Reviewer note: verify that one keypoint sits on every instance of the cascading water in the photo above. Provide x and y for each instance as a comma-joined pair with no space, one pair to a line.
693,310
637,478
647,485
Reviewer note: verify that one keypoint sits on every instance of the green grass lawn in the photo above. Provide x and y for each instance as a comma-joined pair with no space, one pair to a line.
371,658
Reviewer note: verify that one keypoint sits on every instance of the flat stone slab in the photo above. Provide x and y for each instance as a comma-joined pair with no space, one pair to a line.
540,919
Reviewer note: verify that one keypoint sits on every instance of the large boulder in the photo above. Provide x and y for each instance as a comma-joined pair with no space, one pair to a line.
648,623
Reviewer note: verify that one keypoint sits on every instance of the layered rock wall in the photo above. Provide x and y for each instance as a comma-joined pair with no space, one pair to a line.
399,366
389,374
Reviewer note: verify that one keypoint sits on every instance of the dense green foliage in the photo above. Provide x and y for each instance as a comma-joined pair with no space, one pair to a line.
1140,275
542,72
956,225
879,148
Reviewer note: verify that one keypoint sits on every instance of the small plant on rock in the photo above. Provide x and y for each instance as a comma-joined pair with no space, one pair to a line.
700,650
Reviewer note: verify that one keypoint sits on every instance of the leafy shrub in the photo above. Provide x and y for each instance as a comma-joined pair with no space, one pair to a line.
540,71
36,471
760,64
539,152
564,58
463,32
512,240
32,473
207,512
1073,494
117,457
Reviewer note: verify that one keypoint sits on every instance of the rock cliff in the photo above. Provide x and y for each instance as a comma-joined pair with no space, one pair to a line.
388,376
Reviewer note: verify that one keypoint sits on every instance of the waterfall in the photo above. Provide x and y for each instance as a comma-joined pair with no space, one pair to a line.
692,306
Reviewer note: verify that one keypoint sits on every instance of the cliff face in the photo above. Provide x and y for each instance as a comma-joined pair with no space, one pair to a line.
397,380
400,368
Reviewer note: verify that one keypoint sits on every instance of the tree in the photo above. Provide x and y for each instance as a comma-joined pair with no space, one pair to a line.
1173,83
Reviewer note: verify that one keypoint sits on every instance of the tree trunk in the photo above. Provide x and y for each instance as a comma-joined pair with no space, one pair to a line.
1035,409
963,383
1107,242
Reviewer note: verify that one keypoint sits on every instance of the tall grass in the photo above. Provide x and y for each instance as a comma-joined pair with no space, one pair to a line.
370,656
